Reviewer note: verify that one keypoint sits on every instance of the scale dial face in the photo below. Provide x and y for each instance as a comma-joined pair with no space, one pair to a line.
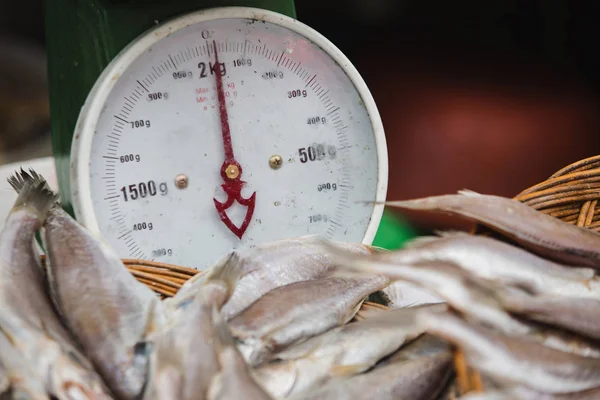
225,129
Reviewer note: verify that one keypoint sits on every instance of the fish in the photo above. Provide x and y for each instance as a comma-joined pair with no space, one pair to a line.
514,360
494,260
347,350
298,311
217,285
275,264
536,231
185,352
31,330
23,293
402,294
444,280
578,315
350,343
17,377
235,380
102,304
461,290
422,378
424,346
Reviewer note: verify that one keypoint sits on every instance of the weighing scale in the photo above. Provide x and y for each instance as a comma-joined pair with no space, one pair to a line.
184,129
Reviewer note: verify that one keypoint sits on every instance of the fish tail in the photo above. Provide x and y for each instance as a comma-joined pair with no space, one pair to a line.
228,270
18,180
34,193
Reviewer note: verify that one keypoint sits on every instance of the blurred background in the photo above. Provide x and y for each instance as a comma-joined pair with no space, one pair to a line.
493,96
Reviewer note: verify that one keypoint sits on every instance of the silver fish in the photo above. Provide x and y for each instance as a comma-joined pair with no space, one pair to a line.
424,346
350,343
217,285
17,377
515,360
347,350
462,290
497,261
574,314
540,233
185,356
298,311
275,264
444,280
235,380
27,320
402,294
82,268
23,294
423,378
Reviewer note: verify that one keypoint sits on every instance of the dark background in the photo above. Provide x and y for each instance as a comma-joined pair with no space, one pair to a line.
492,96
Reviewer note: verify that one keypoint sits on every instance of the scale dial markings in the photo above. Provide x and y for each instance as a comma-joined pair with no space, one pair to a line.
304,151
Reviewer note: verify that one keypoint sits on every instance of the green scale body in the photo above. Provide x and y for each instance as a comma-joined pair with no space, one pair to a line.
83,36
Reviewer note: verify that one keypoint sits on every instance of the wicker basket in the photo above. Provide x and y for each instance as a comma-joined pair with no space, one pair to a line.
571,194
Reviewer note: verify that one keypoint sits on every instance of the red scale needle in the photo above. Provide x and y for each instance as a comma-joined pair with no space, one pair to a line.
231,170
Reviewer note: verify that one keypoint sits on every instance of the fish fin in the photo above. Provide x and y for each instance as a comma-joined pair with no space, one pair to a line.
348,370
34,194
228,270
468,193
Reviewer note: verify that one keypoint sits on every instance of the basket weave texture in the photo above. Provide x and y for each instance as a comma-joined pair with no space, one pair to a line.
571,194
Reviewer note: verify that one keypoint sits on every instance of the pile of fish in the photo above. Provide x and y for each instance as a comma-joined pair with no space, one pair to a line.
288,319
523,301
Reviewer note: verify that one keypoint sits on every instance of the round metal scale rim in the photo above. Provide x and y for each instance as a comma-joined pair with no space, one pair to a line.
90,113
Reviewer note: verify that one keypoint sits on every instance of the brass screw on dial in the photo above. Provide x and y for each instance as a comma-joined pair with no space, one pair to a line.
181,181
275,161
232,171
